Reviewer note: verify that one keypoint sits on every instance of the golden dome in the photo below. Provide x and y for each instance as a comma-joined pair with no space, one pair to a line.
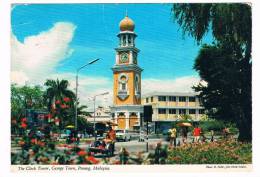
127,24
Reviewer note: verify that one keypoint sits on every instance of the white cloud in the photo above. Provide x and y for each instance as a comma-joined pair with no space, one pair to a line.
35,60
38,55
181,84
89,86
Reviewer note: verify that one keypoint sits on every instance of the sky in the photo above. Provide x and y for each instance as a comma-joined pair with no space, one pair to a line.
51,41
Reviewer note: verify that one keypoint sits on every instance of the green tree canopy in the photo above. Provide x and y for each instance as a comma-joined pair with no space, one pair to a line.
226,64
57,90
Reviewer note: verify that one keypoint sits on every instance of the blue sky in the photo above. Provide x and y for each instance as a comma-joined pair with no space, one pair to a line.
165,53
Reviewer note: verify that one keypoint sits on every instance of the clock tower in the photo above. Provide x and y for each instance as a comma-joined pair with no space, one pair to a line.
127,106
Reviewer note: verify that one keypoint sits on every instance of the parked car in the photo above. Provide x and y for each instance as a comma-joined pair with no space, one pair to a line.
126,135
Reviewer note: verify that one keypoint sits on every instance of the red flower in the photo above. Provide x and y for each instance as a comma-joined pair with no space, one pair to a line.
48,116
23,125
40,143
66,99
57,120
68,152
82,153
92,160
63,106
33,141
24,119
57,102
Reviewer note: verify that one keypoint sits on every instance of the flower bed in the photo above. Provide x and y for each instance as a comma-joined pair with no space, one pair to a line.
222,152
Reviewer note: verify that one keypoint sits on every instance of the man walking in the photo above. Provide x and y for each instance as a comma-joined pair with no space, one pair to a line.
173,136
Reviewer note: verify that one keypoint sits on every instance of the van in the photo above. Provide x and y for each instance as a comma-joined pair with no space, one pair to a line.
125,135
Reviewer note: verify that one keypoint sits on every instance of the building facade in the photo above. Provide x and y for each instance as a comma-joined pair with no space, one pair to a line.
173,106
102,115
127,108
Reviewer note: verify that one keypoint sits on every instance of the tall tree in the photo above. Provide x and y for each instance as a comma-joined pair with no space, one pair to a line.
56,91
60,99
226,64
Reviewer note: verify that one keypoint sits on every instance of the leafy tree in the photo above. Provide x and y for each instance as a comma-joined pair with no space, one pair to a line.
57,90
225,65
22,98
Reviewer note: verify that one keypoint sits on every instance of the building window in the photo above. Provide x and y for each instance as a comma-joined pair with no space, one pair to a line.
162,111
182,111
162,98
124,41
201,111
192,111
129,40
151,99
172,98
192,99
123,86
172,111
182,99
147,100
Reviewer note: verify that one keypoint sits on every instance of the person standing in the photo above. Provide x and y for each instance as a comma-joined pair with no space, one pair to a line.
212,135
225,133
196,134
184,134
112,136
173,136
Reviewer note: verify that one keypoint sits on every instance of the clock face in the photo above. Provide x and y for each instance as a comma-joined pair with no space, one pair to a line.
124,58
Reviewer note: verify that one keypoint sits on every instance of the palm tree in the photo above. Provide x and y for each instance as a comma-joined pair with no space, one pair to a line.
54,97
57,90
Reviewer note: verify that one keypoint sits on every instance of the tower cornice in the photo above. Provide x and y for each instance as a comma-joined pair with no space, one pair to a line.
121,49
131,67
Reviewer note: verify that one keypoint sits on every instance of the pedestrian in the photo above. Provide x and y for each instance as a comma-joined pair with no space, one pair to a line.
184,134
196,133
112,136
212,135
124,155
78,138
203,137
173,136
160,154
225,133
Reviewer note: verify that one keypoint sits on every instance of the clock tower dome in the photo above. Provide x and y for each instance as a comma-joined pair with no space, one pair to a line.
127,78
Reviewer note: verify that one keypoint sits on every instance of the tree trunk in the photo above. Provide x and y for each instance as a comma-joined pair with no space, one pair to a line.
245,127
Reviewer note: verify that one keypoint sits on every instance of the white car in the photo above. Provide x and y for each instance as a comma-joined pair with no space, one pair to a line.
125,135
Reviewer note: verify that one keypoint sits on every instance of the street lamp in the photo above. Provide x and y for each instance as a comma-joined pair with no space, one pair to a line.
94,99
76,104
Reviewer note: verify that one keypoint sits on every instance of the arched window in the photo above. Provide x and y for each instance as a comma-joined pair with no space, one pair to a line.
124,41
123,82
129,40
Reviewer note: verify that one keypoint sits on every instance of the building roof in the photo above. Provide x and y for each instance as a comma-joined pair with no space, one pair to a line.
170,94
127,24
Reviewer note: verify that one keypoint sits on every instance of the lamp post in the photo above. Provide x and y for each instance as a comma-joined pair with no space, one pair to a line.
94,99
76,104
